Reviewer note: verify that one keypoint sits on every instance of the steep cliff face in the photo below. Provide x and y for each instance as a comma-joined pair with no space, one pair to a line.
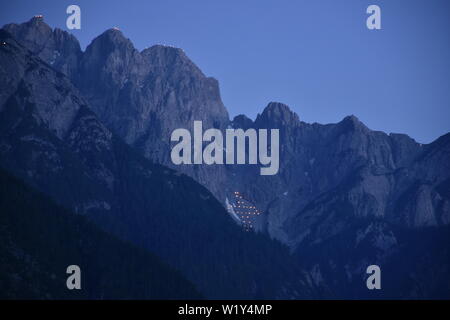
144,96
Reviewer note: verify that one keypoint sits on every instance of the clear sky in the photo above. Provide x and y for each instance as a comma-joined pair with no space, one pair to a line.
317,56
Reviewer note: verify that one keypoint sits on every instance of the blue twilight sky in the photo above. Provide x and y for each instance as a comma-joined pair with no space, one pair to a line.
317,56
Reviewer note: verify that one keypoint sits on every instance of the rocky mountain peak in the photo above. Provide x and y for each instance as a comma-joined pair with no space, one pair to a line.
277,114
109,62
58,48
242,121
164,50
169,59
38,21
38,36
113,34
33,33
109,41
352,123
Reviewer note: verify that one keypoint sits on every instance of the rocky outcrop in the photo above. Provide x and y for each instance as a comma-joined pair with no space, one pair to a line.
58,48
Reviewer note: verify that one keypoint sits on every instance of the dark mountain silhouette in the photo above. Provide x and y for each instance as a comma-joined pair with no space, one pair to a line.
40,238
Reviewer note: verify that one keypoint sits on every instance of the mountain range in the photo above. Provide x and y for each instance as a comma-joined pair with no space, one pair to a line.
91,130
